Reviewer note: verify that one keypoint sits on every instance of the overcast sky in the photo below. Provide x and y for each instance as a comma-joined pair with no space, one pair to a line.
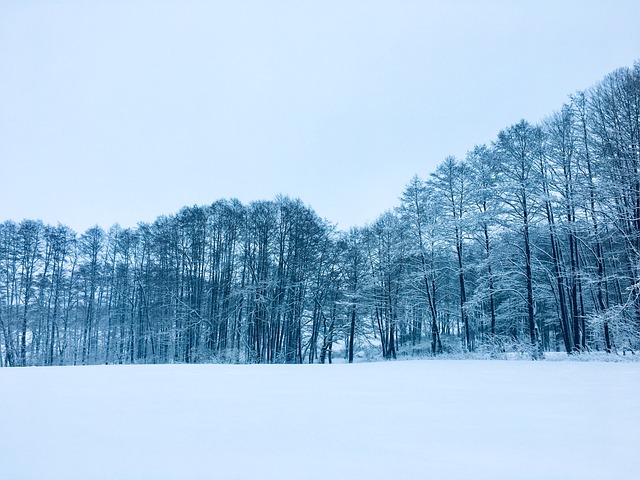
120,111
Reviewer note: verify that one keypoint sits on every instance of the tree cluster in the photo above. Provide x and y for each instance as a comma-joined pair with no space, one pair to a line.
529,244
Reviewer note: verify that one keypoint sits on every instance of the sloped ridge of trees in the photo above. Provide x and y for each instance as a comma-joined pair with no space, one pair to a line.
530,244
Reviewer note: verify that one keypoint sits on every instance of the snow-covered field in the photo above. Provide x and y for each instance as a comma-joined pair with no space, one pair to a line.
392,420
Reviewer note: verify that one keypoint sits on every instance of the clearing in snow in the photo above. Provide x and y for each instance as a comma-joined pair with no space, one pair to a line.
405,420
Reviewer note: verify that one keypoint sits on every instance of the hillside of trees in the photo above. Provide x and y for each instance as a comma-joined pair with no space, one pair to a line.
529,244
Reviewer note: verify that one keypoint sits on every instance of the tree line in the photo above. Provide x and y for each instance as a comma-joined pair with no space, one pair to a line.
529,244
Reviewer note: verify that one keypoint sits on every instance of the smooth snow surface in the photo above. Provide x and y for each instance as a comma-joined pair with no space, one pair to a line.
401,420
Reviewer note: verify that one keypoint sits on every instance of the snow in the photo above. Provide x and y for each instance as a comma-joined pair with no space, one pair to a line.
409,420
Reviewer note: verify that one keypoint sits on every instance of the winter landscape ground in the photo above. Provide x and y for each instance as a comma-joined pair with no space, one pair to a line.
444,419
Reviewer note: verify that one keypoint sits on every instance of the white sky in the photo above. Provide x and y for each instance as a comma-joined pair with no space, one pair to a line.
120,111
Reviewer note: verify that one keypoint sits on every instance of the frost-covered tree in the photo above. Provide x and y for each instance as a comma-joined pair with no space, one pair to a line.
519,148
